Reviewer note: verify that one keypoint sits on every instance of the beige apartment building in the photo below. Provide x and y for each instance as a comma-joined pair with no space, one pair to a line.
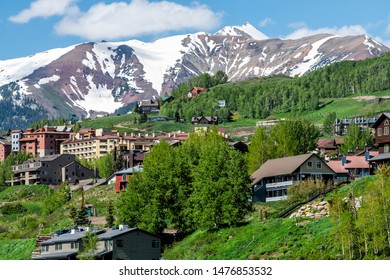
90,148
91,144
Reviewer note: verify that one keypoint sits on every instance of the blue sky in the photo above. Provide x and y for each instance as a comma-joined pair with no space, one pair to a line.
31,26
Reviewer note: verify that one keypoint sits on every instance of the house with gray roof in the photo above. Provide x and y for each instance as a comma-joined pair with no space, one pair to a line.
115,244
63,247
128,244
271,181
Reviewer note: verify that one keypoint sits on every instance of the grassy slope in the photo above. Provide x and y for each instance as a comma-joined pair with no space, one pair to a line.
274,239
344,107
17,249
18,231
289,239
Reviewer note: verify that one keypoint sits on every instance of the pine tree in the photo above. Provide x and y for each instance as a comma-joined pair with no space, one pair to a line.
110,215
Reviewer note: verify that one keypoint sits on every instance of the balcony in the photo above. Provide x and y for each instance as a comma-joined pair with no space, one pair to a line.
279,185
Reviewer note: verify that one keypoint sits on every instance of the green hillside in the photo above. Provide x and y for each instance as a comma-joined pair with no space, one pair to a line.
273,238
26,211
292,238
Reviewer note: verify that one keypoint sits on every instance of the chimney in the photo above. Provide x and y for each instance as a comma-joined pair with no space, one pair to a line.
73,231
343,160
123,226
367,155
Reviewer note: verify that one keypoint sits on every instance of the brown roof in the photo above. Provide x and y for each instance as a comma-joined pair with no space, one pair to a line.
380,119
326,144
279,166
4,142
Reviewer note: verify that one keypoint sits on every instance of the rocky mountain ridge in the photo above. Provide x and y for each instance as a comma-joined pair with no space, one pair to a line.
102,77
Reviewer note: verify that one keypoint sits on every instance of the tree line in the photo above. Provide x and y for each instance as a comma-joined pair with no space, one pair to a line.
203,183
361,218
262,97
286,138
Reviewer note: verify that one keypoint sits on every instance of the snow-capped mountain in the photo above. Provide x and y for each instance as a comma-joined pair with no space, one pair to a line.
102,77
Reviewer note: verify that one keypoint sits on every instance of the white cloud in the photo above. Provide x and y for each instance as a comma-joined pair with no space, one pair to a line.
138,17
265,22
45,9
347,30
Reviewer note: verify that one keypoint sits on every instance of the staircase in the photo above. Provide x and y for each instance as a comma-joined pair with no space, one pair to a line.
38,243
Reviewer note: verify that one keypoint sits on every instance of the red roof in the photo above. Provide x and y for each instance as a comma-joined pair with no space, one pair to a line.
352,162
336,166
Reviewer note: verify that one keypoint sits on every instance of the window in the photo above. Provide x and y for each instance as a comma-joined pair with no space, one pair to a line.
386,130
309,164
386,148
155,244
386,122
319,164
379,131
58,246
45,248
74,245
119,243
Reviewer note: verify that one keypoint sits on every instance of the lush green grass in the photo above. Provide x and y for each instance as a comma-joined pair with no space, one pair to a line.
26,193
345,107
275,239
108,122
17,249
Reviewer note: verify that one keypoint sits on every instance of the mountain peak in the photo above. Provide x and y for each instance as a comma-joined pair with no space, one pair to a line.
246,29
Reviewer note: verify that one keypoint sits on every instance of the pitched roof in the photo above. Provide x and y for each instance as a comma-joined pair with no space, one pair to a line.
4,142
380,157
380,119
116,232
130,170
279,166
337,167
68,237
326,143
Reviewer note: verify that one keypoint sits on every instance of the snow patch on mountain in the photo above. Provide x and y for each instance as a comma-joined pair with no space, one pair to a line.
158,57
47,80
312,58
16,69
104,55
247,29
99,98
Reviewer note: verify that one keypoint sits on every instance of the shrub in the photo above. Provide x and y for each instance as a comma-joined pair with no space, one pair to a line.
12,208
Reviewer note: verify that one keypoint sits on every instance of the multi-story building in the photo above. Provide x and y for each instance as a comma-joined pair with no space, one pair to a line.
94,145
5,149
15,137
44,141
382,140
90,148
275,176
340,126
53,170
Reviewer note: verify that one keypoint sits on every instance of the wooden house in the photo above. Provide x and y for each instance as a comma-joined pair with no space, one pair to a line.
271,181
